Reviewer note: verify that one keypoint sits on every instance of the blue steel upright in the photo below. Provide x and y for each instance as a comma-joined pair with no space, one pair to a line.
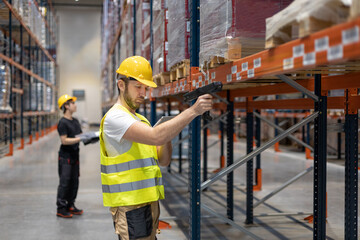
152,100
249,167
11,76
258,143
21,86
320,147
351,171
134,28
195,129
205,152
230,158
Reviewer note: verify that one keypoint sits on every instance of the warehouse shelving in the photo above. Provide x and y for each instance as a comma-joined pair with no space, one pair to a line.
29,41
320,62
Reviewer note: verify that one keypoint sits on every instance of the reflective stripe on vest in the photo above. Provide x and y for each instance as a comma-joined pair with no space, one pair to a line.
125,187
140,163
132,178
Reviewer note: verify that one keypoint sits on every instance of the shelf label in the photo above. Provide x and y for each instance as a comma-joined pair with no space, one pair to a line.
309,59
298,50
350,35
234,69
228,78
335,52
244,66
213,75
206,77
288,63
257,62
251,73
238,76
321,44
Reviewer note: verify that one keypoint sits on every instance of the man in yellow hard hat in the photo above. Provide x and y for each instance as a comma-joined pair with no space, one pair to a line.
132,150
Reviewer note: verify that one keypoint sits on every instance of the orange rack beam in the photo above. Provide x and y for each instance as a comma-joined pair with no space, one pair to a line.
336,45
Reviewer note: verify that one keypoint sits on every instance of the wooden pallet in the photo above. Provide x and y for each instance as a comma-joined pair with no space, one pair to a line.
180,70
162,78
215,62
355,9
306,26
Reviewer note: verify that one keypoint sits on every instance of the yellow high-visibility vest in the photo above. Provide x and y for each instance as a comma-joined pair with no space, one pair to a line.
133,177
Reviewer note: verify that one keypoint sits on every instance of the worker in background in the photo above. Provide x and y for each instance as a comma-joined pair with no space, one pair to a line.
70,131
132,150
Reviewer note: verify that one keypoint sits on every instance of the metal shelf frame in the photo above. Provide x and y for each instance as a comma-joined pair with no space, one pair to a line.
28,67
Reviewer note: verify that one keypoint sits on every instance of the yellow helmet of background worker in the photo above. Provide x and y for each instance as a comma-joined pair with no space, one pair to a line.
64,98
139,68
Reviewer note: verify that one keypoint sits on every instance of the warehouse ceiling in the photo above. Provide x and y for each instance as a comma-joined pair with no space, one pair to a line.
79,3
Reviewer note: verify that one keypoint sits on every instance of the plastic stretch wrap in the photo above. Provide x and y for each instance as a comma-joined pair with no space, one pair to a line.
139,20
5,88
234,28
178,41
143,28
129,32
49,106
159,37
328,11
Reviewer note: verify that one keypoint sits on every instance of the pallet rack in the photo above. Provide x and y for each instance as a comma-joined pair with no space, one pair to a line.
333,50
29,51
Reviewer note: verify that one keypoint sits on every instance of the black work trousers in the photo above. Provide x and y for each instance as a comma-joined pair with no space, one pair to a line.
69,173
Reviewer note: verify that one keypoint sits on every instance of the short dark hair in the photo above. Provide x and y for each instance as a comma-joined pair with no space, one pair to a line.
66,103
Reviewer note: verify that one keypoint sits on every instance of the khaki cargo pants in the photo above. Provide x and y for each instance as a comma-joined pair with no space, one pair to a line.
136,222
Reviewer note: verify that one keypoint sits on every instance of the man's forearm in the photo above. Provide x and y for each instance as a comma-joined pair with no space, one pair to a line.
170,129
70,141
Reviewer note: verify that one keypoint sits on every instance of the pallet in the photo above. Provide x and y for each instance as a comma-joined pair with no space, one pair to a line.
355,9
180,70
304,27
162,78
215,62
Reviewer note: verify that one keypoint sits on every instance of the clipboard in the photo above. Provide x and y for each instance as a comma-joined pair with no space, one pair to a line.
163,119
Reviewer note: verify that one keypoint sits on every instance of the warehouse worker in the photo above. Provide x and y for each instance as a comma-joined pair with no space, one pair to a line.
69,129
132,150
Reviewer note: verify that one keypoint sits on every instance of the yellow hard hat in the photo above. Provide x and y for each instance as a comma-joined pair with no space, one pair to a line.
139,68
64,98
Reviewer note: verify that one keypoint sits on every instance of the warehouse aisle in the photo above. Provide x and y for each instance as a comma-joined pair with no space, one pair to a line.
28,183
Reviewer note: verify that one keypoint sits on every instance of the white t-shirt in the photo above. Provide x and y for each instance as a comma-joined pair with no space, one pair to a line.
116,123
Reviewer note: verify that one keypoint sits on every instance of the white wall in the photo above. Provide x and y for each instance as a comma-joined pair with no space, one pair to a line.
79,58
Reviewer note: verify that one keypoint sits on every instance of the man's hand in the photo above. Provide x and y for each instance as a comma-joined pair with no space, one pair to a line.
202,104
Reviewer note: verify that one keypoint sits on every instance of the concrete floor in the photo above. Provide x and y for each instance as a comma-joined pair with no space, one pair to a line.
28,183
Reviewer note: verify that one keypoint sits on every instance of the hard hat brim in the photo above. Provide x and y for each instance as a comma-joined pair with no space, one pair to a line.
147,83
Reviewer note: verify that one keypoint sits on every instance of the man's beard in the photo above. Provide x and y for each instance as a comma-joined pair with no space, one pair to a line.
129,101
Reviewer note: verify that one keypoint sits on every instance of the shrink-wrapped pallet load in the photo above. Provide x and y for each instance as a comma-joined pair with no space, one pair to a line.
304,17
234,29
160,38
143,28
179,30
5,88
